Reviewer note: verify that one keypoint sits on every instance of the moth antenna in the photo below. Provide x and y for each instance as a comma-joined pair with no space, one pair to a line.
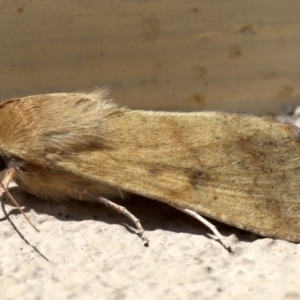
120,209
9,175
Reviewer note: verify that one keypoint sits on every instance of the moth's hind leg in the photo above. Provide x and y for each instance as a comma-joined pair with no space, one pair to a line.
120,209
209,225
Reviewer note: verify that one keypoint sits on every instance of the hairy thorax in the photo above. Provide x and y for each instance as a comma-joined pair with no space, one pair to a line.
52,185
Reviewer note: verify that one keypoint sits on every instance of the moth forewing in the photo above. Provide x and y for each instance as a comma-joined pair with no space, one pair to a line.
238,169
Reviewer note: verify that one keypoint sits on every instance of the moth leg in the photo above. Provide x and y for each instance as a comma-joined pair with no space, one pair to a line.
8,177
210,226
121,194
120,209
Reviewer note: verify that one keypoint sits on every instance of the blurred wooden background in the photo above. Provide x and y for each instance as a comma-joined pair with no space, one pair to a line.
167,54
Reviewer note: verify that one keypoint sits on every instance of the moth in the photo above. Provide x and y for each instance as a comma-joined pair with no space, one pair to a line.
242,170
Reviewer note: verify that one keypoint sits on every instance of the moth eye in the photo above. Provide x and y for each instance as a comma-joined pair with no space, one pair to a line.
3,165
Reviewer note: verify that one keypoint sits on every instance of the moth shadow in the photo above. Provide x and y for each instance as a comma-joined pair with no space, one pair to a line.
152,214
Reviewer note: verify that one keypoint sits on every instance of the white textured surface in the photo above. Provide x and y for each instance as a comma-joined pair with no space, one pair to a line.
85,252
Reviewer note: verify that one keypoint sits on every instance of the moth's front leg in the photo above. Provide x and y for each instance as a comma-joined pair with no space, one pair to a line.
8,177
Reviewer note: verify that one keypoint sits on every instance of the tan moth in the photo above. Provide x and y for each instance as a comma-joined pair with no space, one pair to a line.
239,169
